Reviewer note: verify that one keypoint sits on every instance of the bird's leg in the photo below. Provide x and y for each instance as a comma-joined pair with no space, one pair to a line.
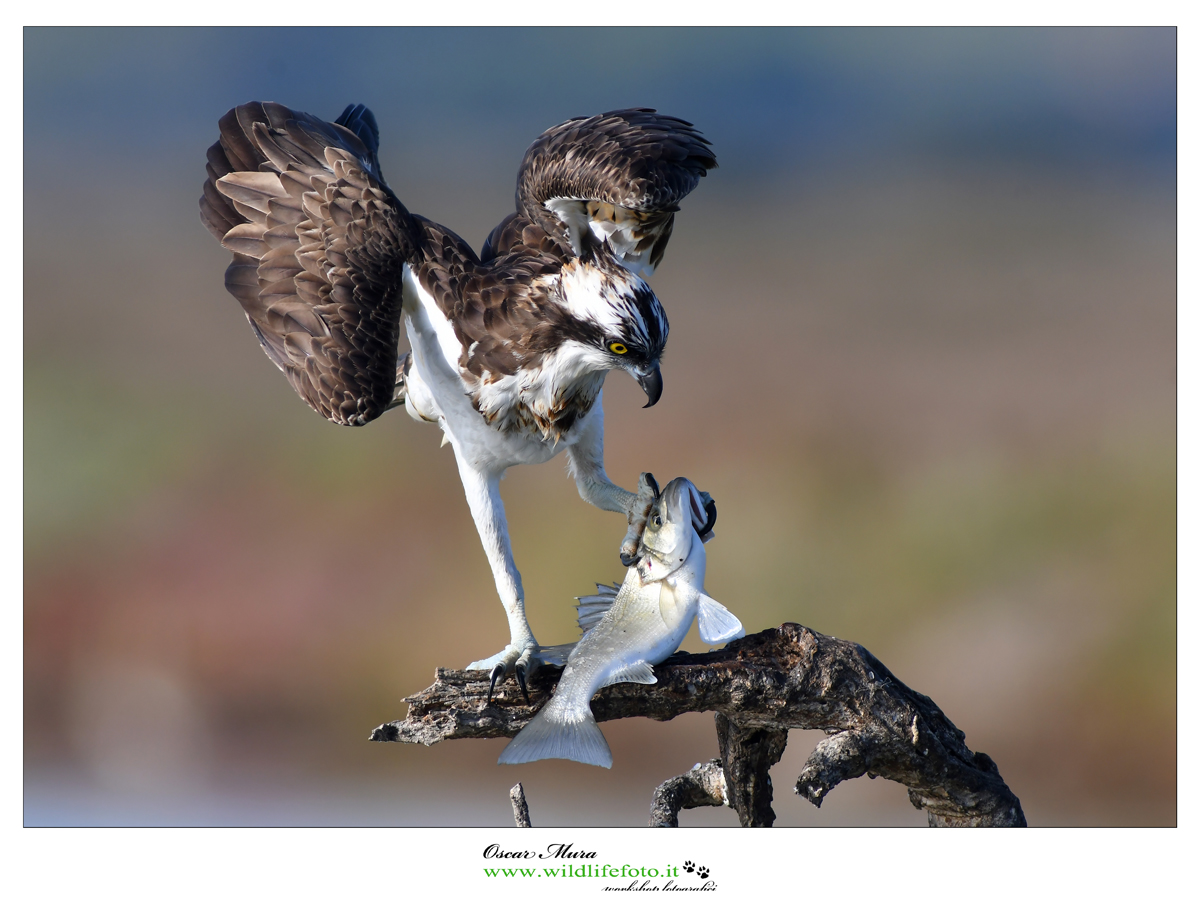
585,460
638,511
519,657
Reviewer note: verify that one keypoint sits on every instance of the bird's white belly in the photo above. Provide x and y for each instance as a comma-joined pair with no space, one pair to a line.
436,350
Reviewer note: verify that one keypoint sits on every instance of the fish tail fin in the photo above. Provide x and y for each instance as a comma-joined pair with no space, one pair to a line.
560,733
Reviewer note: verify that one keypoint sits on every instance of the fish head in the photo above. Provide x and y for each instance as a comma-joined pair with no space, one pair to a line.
677,519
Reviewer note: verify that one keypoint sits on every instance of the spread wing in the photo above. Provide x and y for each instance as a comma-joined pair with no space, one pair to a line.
319,243
615,179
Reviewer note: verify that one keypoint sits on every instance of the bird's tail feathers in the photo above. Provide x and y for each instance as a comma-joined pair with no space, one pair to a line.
557,733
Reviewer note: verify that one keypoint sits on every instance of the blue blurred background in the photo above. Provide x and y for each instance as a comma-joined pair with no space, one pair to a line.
922,353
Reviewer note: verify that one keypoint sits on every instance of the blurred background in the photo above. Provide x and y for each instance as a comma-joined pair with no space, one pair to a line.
922,353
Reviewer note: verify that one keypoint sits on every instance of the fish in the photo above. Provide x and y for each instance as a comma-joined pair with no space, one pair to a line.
627,630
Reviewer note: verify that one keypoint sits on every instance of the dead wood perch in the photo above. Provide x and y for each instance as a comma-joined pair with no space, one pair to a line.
520,806
759,687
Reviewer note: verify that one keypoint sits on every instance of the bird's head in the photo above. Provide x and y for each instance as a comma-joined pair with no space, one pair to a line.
620,323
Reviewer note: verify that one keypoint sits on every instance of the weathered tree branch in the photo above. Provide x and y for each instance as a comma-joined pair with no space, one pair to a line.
704,785
760,687
747,755
520,806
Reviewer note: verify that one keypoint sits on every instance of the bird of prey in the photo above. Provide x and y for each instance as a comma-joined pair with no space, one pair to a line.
509,348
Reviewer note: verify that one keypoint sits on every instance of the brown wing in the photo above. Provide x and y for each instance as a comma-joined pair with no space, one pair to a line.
502,310
617,177
319,244
516,234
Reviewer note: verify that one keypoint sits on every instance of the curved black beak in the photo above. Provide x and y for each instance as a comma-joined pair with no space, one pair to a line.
651,383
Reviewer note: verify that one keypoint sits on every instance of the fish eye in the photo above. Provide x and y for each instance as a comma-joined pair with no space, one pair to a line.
658,521
618,348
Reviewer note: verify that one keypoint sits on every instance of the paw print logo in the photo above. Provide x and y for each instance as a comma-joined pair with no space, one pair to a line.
689,866
702,872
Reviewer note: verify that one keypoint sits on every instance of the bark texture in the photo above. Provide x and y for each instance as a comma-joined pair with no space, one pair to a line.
747,754
704,785
760,687
520,806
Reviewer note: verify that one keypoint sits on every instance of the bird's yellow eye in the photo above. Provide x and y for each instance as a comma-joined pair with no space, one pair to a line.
618,348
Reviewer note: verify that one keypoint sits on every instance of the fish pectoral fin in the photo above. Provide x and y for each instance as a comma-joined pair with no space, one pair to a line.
717,624
640,672
591,609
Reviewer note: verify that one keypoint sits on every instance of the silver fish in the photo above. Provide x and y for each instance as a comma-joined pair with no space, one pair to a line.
627,631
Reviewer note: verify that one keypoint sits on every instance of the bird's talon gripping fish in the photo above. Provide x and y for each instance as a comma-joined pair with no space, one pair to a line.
627,631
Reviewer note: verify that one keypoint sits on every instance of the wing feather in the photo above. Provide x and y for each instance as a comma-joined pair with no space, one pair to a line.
319,244
615,179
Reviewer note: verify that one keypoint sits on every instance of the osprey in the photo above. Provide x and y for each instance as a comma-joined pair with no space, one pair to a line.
509,348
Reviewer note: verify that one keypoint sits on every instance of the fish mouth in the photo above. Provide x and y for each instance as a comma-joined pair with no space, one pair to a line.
680,513
681,500
671,529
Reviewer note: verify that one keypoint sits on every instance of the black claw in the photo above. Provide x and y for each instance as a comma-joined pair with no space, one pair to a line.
653,484
520,671
497,674
710,509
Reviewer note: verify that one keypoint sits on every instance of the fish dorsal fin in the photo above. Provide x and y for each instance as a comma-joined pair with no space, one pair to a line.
717,624
591,609
640,672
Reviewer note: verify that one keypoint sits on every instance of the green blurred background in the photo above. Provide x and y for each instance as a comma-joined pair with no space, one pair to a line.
922,353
